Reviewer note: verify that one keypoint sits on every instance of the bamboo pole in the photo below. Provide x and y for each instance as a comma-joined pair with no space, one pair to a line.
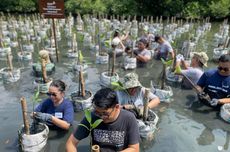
146,102
55,40
163,77
24,115
113,65
95,148
44,75
9,60
82,82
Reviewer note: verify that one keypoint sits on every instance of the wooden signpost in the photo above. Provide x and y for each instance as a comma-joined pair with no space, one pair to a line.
52,9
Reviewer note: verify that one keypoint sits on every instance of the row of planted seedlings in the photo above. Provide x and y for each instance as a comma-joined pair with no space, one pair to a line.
221,41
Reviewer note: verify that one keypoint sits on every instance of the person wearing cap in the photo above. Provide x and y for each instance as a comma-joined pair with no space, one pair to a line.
195,70
118,130
142,54
132,97
216,83
164,48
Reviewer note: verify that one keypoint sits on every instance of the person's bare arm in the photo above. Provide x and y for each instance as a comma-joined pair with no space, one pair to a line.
71,144
154,102
132,148
60,123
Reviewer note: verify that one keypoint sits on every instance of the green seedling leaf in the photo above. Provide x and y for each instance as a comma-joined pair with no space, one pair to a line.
168,63
80,56
88,116
84,126
117,86
96,123
177,70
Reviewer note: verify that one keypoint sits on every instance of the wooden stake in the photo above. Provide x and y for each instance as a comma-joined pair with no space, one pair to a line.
113,65
9,60
44,75
55,40
82,82
163,77
24,115
146,102
95,148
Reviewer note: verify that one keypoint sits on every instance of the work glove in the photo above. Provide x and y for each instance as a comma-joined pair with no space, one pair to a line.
140,110
135,53
43,116
203,96
214,102
179,57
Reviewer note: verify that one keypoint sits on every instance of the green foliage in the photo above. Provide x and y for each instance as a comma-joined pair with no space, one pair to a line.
89,119
192,10
220,8
167,63
35,97
117,86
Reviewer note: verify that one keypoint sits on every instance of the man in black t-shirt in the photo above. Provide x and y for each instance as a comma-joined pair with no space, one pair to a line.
118,131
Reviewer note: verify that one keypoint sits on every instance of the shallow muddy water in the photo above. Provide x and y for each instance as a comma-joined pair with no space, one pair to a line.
185,124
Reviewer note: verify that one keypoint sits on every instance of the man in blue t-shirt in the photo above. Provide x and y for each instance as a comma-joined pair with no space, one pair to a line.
216,82
118,130
56,111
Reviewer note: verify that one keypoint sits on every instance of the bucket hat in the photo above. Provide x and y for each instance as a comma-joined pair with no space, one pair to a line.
202,57
130,81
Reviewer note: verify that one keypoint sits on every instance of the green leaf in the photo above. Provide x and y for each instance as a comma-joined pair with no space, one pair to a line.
84,126
168,63
88,116
80,56
96,123
117,86
177,70
36,94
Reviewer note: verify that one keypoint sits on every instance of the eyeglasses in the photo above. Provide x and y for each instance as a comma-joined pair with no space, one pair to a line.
103,114
51,94
224,69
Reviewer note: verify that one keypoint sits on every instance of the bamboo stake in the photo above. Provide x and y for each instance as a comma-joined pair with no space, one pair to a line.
24,115
163,77
9,60
113,65
44,75
82,82
55,40
146,102
95,148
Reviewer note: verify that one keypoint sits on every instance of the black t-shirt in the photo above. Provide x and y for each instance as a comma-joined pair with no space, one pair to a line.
115,136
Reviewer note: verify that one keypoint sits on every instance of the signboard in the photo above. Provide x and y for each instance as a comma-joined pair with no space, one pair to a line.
51,8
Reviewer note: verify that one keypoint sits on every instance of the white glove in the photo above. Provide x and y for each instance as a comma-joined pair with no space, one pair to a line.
214,102
179,57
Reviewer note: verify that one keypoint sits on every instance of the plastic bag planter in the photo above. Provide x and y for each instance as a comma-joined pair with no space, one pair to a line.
34,142
78,67
43,87
26,56
81,103
225,112
147,129
102,58
165,95
217,52
130,63
170,76
10,77
4,51
37,69
106,80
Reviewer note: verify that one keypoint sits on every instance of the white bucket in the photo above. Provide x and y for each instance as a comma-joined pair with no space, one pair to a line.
34,142
43,87
225,112
130,63
102,59
10,77
164,95
106,80
81,104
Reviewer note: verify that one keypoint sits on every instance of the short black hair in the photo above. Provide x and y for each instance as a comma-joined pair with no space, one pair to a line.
224,58
58,84
156,38
105,98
